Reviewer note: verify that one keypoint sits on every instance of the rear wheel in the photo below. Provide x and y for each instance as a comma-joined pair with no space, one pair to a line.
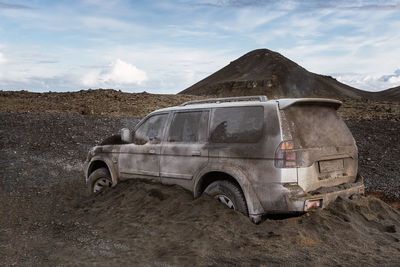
228,194
99,180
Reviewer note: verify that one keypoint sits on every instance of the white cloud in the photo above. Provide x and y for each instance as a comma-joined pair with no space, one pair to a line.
2,59
159,69
172,68
395,80
192,39
391,78
370,82
120,73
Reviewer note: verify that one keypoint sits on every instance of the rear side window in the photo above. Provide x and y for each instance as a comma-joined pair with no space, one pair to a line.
185,127
237,125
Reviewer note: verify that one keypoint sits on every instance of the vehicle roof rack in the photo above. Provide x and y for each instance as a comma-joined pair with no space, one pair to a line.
261,98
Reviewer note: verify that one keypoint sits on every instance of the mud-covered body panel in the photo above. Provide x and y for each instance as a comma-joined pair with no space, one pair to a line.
250,162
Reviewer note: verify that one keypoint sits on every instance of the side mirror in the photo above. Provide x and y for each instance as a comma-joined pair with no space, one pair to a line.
126,135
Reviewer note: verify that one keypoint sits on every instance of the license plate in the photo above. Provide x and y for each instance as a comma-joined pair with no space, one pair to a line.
330,165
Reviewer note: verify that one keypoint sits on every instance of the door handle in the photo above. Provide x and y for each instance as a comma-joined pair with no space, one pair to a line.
196,153
152,151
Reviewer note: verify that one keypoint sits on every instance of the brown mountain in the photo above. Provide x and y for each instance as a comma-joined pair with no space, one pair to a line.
391,94
265,72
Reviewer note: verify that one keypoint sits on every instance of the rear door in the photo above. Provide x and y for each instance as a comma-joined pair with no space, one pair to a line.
184,151
323,142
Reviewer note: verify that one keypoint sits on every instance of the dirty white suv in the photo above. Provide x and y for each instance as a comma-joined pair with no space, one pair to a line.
255,155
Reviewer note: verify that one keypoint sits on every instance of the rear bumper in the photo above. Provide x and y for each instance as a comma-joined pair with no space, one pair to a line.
321,198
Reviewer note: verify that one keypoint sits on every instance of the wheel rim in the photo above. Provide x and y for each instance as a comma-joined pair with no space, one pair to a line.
100,184
226,201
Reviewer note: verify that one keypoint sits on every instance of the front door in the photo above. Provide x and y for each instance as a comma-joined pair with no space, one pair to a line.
184,151
141,158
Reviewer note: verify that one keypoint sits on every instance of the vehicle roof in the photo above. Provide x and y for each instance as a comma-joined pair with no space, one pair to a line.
282,103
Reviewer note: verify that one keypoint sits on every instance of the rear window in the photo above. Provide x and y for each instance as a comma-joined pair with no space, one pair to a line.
237,125
317,126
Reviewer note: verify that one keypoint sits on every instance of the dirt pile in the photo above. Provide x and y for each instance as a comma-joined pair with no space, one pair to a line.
265,72
167,226
140,223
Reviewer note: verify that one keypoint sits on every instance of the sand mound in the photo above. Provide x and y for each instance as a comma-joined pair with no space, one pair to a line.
139,222
145,222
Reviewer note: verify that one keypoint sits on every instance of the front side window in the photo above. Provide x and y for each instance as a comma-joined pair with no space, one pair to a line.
185,127
237,125
151,129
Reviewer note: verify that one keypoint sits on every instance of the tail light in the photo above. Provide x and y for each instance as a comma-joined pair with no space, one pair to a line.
285,156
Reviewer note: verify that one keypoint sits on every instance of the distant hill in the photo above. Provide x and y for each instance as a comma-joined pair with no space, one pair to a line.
392,93
265,72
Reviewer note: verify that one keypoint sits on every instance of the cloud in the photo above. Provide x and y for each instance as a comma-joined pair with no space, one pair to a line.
180,42
172,68
92,22
391,78
370,82
2,59
232,3
13,6
119,74
305,5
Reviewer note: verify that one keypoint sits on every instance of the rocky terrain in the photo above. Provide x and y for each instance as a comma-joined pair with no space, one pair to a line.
88,102
47,219
265,72
112,103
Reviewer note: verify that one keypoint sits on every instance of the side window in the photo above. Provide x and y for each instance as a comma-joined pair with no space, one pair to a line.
151,129
185,127
237,125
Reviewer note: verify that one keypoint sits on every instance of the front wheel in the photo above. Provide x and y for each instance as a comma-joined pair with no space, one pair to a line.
228,194
98,181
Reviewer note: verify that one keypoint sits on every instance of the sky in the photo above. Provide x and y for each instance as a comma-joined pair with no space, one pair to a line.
166,46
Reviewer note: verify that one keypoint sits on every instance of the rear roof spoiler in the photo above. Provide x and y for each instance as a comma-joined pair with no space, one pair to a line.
287,102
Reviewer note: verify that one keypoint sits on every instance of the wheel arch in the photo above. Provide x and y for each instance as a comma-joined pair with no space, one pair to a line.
211,177
97,163
235,176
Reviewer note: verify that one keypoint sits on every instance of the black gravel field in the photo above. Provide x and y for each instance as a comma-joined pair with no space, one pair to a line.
46,218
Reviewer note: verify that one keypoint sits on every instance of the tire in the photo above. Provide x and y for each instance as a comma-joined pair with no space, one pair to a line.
228,194
98,181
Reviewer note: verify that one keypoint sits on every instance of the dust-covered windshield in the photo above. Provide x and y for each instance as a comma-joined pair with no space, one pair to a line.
317,126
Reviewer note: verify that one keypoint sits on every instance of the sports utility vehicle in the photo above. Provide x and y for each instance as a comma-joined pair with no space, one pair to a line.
255,155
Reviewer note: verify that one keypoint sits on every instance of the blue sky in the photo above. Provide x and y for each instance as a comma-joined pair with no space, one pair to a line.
166,46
